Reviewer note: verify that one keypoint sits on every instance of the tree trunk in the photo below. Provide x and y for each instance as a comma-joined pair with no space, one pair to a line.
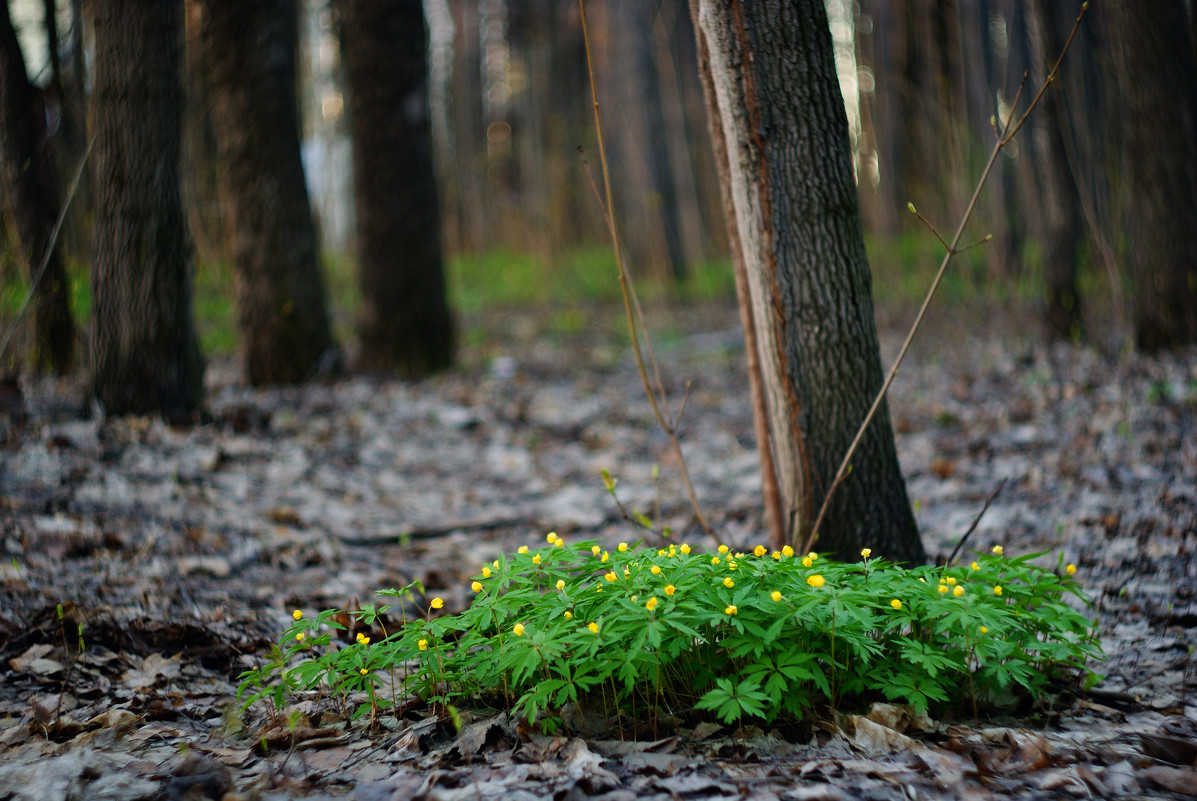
405,324
249,49
144,352
31,204
778,109
1062,223
1158,74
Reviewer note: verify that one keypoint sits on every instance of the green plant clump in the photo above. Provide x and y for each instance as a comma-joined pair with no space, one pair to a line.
743,635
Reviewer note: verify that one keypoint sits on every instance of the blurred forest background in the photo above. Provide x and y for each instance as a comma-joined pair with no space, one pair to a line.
509,112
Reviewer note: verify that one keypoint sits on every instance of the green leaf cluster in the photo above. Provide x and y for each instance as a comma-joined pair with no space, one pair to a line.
742,635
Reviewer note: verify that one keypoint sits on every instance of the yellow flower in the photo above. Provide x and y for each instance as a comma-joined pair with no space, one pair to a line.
951,581
727,582
363,639
651,604
660,552
997,589
776,554
958,591
896,604
685,548
866,552
522,549
1070,570
655,570
787,551
776,595
731,610
536,559
297,614
363,671
813,556
594,549
672,550
760,550
975,566
422,645
942,589
610,576
670,589
627,573
807,561
437,603
560,584
623,546
739,556
300,636
815,580
569,615
922,579
731,565
476,586
496,564
486,572
557,543
714,560
593,628
723,549
997,550
518,630
984,629
604,557
551,537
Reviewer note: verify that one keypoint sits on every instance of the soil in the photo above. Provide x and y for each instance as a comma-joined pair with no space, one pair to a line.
146,566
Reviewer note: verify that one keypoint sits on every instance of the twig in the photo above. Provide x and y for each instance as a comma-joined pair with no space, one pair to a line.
36,278
976,520
631,303
1008,132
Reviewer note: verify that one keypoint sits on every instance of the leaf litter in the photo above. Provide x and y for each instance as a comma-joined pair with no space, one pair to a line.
147,566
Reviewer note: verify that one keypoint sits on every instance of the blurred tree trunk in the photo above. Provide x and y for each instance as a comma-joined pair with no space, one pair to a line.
1063,223
777,113
144,353
249,50
1158,75
31,203
405,320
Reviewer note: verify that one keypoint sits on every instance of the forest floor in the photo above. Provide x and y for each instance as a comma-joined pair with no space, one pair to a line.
175,555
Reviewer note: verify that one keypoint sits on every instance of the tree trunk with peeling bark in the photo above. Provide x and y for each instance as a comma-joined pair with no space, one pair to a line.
778,122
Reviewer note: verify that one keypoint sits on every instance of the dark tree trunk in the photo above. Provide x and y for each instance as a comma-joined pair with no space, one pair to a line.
778,110
31,203
144,352
405,324
1063,224
1158,74
249,50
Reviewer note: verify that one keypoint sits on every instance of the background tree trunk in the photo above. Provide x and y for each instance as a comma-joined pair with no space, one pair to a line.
31,203
405,321
1158,75
249,50
779,110
144,352
1062,222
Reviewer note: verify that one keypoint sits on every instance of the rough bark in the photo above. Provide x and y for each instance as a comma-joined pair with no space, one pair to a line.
789,180
1063,223
144,353
249,53
31,203
405,321
1158,75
